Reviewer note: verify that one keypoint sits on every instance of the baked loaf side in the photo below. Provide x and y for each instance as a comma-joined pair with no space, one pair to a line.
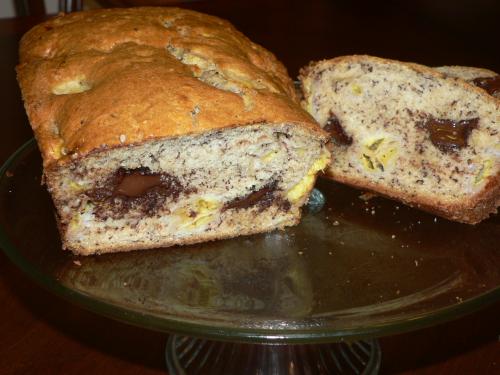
162,126
409,132
90,78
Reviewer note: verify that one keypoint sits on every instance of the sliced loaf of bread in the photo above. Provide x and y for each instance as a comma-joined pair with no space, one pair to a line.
425,136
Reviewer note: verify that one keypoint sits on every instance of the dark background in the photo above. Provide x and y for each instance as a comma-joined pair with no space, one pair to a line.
430,32
41,334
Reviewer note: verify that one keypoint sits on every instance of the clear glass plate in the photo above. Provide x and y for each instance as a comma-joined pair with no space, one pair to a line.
357,268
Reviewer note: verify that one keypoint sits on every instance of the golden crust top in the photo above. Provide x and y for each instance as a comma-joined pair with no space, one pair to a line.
99,79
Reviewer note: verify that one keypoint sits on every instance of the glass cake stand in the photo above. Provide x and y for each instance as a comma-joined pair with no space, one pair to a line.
317,294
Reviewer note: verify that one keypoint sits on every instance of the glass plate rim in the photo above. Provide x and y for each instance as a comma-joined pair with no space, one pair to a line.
253,335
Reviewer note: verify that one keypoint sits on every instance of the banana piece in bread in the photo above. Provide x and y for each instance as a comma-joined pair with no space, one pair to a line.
413,133
161,126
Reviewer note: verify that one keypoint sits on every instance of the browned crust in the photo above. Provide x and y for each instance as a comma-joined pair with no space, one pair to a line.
138,90
471,211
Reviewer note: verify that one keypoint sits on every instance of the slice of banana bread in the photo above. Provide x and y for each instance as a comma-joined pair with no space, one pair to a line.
162,126
410,132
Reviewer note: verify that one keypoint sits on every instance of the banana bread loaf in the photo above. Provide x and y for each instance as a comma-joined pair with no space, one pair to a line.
417,134
162,126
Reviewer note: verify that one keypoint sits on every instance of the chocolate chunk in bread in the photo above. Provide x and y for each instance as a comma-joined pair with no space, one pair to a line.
490,84
449,135
333,127
429,137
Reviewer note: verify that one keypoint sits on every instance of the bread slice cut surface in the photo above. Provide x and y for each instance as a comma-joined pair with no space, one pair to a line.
410,132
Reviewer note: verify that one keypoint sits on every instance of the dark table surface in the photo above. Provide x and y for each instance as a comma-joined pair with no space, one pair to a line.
42,334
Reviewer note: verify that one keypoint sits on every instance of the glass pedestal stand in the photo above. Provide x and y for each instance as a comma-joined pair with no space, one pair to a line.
356,267
191,356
